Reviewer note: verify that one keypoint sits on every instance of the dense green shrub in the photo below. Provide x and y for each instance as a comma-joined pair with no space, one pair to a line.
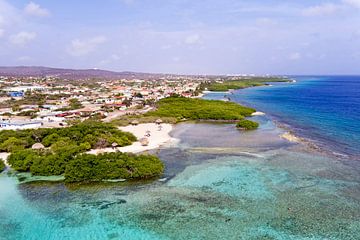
65,146
2,166
107,166
13,144
22,160
240,84
88,132
87,167
247,125
200,109
126,120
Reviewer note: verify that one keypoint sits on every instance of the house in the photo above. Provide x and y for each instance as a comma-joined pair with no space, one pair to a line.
16,94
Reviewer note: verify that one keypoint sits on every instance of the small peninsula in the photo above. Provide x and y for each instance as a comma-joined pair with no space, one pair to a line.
239,83
179,109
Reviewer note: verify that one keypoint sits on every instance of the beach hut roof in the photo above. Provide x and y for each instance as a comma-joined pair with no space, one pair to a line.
158,120
144,141
38,146
135,122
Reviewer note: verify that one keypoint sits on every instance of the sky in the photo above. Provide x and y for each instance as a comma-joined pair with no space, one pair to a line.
184,36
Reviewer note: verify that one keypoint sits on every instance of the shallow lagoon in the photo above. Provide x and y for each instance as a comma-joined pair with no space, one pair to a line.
220,184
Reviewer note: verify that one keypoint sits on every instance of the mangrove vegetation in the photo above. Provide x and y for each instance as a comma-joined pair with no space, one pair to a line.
224,86
247,125
199,109
2,166
61,151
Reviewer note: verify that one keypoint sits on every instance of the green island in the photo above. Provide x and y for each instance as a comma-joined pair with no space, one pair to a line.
224,86
247,125
60,151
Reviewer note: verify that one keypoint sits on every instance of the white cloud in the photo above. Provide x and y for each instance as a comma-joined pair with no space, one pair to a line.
83,47
354,3
193,39
23,58
34,9
8,15
320,10
22,38
295,56
265,21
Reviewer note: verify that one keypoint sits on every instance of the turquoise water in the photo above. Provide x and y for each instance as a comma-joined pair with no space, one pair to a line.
220,184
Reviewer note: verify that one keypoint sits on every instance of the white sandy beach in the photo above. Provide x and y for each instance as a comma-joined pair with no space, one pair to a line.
156,139
258,114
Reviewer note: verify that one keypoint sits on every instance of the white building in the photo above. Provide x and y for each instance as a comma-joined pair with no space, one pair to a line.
24,89
18,125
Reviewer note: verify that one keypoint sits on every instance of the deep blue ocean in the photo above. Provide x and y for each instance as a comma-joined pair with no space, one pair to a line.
324,109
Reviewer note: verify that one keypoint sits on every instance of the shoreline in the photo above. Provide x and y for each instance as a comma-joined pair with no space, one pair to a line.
291,136
157,138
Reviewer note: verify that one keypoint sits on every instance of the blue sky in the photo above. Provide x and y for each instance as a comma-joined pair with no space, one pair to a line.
184,36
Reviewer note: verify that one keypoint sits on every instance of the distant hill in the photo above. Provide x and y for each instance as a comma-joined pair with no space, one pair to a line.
72,74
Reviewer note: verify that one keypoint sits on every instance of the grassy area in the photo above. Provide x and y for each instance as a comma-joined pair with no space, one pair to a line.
240,84
199,109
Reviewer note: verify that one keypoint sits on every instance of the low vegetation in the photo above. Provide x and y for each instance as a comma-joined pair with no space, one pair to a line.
239,84
63,153
109,166
247,125
2,166
91,134
128,119
199,109
78,167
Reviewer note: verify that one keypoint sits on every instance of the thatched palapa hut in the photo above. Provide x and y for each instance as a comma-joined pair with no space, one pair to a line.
135,123
159,121
38,146
114,145
144,141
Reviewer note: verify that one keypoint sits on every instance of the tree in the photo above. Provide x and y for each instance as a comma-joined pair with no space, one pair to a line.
13,144
127,102
75,104
15,108
247,125
2,166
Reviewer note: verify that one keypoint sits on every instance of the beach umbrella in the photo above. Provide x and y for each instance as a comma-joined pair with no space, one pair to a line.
38,146
144,141
135,122
158,121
